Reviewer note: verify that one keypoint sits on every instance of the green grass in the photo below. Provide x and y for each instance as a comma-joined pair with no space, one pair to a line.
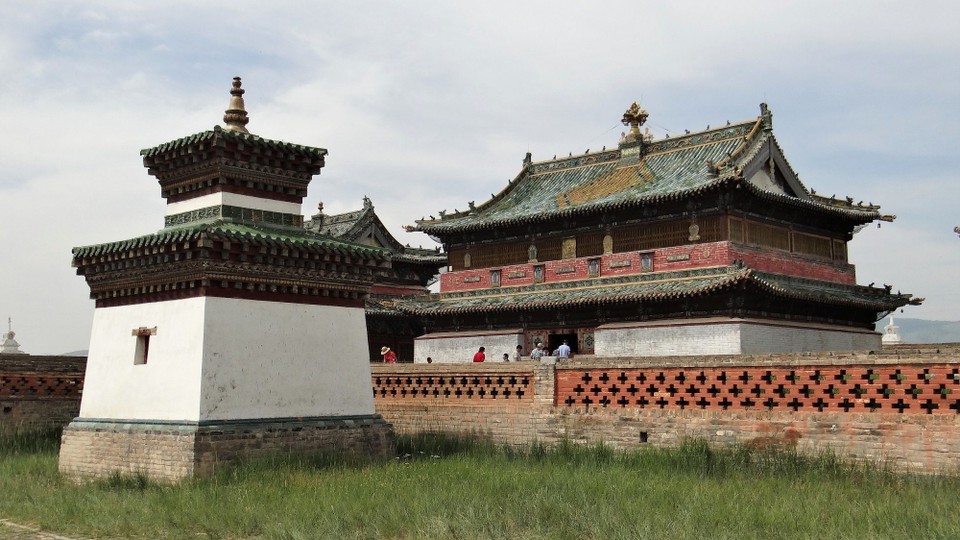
449,487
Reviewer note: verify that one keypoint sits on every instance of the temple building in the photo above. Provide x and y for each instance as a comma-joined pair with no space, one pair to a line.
412,271
233,331
703,243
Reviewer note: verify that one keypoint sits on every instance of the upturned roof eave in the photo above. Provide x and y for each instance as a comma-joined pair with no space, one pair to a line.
873,298
232,232
195,138
620,298
856,216
539,217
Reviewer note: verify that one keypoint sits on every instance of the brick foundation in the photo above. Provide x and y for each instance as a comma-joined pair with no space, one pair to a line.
169,451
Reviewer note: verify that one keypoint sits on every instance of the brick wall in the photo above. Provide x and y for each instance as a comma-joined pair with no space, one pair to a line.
791,264
902,406
39,392
616,264
664,259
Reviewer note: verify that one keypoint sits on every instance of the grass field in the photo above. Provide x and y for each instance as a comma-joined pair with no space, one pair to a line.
443,487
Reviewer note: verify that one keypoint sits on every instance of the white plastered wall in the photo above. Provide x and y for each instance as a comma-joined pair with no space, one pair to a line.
275,360
664,340
167,387
758,338
730,336
232,199
459,347
228,359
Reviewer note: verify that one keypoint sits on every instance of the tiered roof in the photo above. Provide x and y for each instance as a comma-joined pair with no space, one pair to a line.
232,232
653,287
645,172
350,226
226,250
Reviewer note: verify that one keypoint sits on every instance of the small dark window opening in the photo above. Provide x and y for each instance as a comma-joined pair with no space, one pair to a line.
643,436
143,344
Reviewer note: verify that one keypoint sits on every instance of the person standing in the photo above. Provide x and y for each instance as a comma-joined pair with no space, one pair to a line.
518,354
563,351
389,357
537,354
480,356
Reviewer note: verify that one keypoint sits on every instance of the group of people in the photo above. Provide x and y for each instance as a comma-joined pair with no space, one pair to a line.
562,352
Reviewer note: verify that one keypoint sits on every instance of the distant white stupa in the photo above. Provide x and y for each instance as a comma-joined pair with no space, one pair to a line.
10,345
891,334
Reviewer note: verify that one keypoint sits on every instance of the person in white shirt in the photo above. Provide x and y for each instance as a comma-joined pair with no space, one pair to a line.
563,351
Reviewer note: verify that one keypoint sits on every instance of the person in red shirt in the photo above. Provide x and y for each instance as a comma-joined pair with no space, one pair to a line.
480,357
389,357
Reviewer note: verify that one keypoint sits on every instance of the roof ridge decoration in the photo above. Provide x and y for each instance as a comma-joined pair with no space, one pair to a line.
634,117
235,117
643,172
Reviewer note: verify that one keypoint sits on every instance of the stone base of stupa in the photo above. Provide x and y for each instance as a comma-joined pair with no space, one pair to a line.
172,451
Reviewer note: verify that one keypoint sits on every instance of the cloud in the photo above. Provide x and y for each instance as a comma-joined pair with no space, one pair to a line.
425,106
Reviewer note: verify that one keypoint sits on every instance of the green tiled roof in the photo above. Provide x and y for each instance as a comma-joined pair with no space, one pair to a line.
670,168
831,293
350,225
648,287
382,307
234,232
339,225
237,136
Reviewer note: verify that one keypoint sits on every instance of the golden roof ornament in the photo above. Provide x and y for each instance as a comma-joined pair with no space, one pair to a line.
235,117
634,117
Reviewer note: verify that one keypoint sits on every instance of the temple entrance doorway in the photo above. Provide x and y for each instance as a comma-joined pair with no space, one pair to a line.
555,340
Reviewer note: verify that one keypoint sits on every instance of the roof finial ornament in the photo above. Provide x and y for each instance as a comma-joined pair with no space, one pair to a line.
235,117
766,116
634,117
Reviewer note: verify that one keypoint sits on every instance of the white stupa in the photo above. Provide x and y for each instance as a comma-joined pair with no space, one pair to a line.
10,345
891,334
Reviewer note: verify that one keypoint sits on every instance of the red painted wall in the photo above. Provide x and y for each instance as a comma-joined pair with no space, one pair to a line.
664,259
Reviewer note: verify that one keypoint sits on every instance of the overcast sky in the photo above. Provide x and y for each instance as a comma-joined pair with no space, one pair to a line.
425,106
